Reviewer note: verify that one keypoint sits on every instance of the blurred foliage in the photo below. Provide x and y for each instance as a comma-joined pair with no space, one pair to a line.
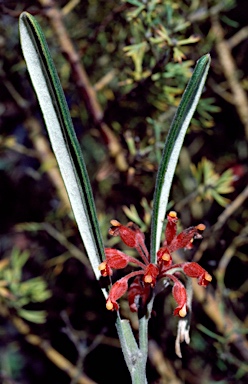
15,293
139,56
210,185
133,215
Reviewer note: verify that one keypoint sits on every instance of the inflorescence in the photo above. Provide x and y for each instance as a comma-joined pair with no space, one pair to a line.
149,273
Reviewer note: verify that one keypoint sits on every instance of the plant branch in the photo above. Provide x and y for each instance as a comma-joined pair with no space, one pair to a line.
47,160
163,365
223,217
54,356
230,71
229,326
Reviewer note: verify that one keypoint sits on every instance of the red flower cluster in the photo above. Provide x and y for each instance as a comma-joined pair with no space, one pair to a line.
149,274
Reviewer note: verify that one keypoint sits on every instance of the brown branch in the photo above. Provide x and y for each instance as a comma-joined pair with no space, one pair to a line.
231,208
73,250
228,325
47,160
223,217
230,71
231,251
236,39
54,356
55,16
163,366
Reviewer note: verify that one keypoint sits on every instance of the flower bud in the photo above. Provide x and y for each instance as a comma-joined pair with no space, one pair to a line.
195,270
116,259
117,290
171,227
180,295
150,274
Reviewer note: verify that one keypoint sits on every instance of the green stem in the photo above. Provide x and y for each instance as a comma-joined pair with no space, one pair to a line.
134,356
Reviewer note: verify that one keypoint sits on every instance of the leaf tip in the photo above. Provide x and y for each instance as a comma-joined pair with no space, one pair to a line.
25,16
205,59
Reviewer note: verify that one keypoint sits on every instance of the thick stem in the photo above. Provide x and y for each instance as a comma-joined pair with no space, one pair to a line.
133,355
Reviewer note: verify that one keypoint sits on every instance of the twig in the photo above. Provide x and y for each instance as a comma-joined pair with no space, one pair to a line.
105,80
162,365
54,356
230,71
69,6
225,324
237,242
223,217
73,250
229,326
231,208
220,90
82,82
11,143
20,101
203,12
48,161
79,339
236,39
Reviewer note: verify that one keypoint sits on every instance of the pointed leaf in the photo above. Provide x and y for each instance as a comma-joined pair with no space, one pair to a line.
62,135
172,149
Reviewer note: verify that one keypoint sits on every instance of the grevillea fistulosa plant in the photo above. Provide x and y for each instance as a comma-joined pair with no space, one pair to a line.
153,265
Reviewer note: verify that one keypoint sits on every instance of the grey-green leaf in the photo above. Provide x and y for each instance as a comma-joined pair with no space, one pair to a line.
172,149
62,135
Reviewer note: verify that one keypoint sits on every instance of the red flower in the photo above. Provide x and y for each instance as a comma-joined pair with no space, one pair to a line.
195,270
132,236
164,256
184,239
180,295
149,274
127,235
114,259
117,260
117,290
171,227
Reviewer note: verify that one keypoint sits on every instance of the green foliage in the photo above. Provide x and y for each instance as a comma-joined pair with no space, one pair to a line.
159,34
205,109
12,361
133,215
137,53
144,220
211,185
160,26
16,293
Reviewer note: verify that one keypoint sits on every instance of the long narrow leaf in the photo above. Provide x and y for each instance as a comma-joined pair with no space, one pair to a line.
172,149
62,135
